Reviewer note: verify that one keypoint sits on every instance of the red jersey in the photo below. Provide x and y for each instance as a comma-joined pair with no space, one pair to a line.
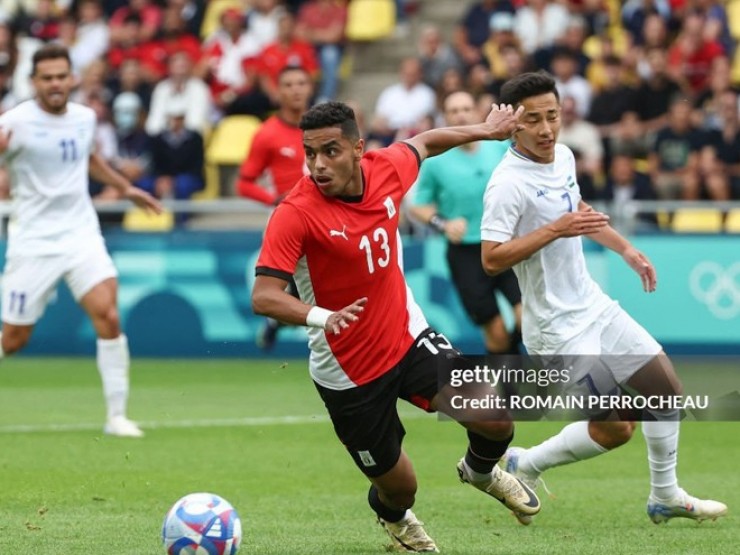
338,251
278,148
276,56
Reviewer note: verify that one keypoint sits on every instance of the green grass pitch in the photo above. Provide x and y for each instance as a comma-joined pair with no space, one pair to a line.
221,426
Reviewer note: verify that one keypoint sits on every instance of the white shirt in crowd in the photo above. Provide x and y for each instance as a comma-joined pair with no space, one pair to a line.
402,107
559,297
194,95
539,32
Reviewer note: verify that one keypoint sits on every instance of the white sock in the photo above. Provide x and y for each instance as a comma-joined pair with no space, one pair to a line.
572,444
662,444
113,363
476,476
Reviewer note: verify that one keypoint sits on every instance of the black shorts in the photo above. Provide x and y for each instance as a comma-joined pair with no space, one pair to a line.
365,418
477,289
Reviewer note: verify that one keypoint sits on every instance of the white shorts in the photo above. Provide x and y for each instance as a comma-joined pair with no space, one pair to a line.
611,349
29,282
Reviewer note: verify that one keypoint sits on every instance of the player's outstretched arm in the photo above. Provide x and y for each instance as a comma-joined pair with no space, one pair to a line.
269,298
101,171
500,124
611,239
498,257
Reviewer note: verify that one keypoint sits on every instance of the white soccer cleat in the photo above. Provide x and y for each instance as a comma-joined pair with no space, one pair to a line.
684,506
505,488
408,535
120,426
510,463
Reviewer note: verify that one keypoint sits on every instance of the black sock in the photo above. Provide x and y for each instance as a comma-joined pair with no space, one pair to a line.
384,512
483,454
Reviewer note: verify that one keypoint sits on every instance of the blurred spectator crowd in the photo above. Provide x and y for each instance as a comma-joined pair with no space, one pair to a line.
161,74
649,88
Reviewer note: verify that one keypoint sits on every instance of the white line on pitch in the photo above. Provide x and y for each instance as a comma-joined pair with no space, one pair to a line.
165,424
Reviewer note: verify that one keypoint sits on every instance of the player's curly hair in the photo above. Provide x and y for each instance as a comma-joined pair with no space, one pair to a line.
331,114
526,85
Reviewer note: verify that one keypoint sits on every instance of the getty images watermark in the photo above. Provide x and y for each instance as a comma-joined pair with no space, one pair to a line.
594,387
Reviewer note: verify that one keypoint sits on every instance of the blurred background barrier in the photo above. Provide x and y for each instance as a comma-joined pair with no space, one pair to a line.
186,293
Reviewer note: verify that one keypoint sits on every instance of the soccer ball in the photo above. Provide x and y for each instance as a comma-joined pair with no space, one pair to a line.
202,524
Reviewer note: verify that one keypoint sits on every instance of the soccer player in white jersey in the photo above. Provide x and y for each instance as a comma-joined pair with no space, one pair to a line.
533,221
47,144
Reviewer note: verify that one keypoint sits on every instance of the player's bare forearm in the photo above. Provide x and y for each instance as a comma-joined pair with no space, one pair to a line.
500,124
611,239
436,141
607,236
102,172
499,257
269,298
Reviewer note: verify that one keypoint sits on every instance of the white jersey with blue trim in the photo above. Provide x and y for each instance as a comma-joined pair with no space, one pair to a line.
48,159
559,297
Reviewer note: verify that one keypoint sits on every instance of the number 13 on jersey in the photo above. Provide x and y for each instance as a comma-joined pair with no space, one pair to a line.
379,243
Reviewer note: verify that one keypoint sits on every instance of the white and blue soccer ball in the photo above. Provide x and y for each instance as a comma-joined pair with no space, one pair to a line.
202,524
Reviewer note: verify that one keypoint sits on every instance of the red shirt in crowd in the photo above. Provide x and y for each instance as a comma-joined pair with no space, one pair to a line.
277,56
277,148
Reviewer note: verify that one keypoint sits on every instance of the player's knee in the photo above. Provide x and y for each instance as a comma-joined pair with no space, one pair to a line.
613,434
496,336
107,322
497,342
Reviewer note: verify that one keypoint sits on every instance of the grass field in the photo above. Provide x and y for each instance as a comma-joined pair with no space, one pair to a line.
223,426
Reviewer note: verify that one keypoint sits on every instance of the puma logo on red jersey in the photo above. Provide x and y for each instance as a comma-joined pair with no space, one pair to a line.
335,233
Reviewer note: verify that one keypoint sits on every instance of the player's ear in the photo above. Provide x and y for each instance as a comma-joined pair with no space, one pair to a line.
359,148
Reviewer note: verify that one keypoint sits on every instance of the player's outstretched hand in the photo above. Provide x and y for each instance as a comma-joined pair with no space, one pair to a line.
644,268
580,223
144,200
342,319
5,139
503,121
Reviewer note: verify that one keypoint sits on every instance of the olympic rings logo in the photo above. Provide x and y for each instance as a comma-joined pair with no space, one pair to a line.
717,287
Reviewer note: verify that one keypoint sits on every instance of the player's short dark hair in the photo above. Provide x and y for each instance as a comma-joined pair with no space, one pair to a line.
331,114
527,85
290,68
50,52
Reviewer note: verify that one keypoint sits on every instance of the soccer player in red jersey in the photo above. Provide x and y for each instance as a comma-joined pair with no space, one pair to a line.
277,151
336,234
277,147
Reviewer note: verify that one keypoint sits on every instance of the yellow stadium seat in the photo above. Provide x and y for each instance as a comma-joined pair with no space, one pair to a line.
228,145
231,140
136,219
212,17
369,20
697,220
733,16
732,224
